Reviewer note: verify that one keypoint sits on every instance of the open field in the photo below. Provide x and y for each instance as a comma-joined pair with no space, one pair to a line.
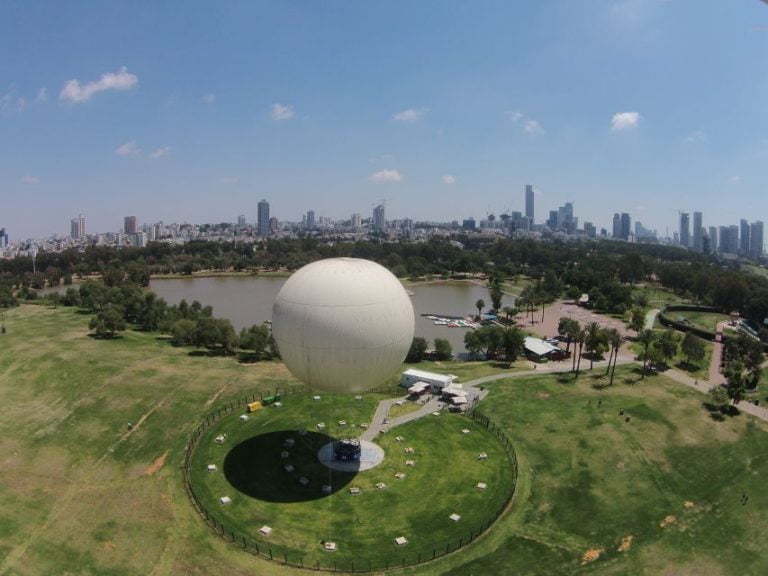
80,494
363,525
706,320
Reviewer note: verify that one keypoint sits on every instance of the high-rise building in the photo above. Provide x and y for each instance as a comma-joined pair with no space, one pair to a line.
626,225
357,220
273,225
263,218
379,222
713,242
756,239
616,225
590,230
129,225
241,221
310,219
685,229
3,238
729,239
77,227
744,237
698,232
529,209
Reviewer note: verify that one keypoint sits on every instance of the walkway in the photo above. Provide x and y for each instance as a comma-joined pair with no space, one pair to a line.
382,411
650,318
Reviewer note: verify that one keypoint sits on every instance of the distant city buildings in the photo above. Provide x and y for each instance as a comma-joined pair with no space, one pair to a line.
310,220
698,233
356,220
241,221
626,225
3,238
379,221
77,228
262,224
529,207
685,229
756,239
616,226
129,225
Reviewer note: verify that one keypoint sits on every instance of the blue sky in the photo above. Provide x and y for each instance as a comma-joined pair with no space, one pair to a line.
193,111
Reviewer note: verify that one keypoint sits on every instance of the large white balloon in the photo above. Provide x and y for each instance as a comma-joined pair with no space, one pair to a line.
343,324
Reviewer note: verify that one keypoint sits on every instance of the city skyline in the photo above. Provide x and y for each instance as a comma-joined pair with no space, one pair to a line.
443,110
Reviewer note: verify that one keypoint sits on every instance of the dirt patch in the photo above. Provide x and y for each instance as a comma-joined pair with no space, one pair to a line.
542,395
688,504
626,543
591,555
158,463
668,521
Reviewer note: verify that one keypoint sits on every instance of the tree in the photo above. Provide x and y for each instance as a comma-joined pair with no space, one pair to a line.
480,304
496,293
667,345
614,339
734,374
693,348
719,396
512,343
473,343
509,314
417,351
491,339
255,338
596,341
645,337
580,337
637,320
443,349
107,322
183,331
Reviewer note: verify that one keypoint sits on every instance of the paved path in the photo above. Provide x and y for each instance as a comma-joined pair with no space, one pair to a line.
650,318
382,411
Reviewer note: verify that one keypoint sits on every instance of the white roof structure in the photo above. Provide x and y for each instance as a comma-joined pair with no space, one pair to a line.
538,346
343,324
418,388
454,390
429,376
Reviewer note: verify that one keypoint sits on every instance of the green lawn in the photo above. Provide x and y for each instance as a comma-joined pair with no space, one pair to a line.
365,525
706,320
80,494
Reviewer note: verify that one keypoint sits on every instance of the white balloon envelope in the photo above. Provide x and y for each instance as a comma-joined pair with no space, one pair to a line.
343,324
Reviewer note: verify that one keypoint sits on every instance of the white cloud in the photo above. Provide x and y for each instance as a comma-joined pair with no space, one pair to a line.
410,115
734,179
527,125
21,104
532,127
42,94
208,99
624,121
76,93
448,179
697,136
7,99
386,176
128,149
160,152
228,180
30,180
281,112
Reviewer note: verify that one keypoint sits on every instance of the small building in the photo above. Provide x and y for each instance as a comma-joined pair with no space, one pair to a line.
583,300
538,349
419,389
435,381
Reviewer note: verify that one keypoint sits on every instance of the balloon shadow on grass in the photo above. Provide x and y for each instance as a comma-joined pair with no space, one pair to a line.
257,467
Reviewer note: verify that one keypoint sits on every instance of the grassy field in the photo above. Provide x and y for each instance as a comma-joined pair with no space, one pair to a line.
364,525
706,320
81,494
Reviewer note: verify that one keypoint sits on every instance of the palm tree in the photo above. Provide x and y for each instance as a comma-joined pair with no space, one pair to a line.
509,314
581,336
592,340
480,304
645,337
614,338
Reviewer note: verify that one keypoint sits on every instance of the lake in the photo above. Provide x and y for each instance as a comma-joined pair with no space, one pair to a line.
248,300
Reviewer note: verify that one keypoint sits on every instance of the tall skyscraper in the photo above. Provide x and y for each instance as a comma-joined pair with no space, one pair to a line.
129,225
756,239
685,229
626,225
616,226
698,232
77,227
379,221
357,220
311,220
241,221
713,240
3,238
529,210
744,237
263,218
